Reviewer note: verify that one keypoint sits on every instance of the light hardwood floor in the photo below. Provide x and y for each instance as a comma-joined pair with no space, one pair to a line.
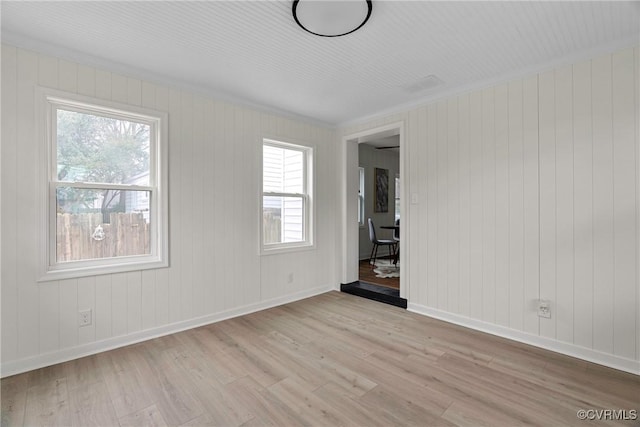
334,359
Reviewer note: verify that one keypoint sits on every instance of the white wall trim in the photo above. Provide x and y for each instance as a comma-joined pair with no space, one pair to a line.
397,127
583,55
47,102
590,355
65,53
637,136
19,366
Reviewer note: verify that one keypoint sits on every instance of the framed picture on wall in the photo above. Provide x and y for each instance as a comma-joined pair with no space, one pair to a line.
381,193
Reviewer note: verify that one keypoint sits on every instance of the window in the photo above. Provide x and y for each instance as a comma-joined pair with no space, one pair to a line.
397,189
361,198
286,195
106,202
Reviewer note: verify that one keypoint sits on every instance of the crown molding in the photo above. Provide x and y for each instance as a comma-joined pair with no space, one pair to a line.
82,58
120,68
583,55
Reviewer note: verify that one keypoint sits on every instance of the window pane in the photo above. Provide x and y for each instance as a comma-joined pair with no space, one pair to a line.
283,170
94,224
93,148
283,219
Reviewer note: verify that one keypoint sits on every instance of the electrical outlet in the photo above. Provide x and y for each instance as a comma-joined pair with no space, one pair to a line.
290,278
84,318
544,308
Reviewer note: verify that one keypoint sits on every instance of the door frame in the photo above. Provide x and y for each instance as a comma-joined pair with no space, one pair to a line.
350,228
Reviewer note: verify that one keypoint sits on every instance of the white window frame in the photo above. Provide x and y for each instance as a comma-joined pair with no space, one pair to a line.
49,101
397,203
306,196
361,195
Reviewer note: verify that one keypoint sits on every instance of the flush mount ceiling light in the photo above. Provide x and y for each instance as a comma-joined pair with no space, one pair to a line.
326,18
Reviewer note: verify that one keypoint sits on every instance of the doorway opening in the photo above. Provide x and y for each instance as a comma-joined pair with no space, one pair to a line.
372,262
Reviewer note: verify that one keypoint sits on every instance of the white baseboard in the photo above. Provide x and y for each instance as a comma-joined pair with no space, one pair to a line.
590,355
28,364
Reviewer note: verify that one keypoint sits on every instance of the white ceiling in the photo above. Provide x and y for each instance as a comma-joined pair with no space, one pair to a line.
253,52
386,143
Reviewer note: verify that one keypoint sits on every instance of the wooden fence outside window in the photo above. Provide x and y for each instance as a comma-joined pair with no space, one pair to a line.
78,236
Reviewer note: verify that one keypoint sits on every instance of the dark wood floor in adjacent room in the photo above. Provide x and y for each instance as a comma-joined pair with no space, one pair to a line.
366,274
335,360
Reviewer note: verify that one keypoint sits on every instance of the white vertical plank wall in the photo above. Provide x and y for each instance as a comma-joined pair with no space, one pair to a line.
8,272
503,254
526,190
529,190
548,198
603,272
475,206
531,201
418,129
488,197
637,157
86,301
432,207
565,292
442,166
583,204
453,208
515,217
214,188
29,316
624,201
464,139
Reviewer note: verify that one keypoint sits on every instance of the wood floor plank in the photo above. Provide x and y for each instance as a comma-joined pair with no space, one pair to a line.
167,386
538,401
265,368
348,407
405,407
475,414
205,382
90,405
206,339
265,407
315,411
48,404
316,370
299,365
127,392
14,398
604,392
459,388
333,359
82,372
42,376
146,417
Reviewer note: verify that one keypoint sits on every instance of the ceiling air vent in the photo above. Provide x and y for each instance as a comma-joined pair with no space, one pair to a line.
427,83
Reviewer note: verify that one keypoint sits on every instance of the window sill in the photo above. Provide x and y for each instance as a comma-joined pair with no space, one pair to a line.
72,272
287,249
